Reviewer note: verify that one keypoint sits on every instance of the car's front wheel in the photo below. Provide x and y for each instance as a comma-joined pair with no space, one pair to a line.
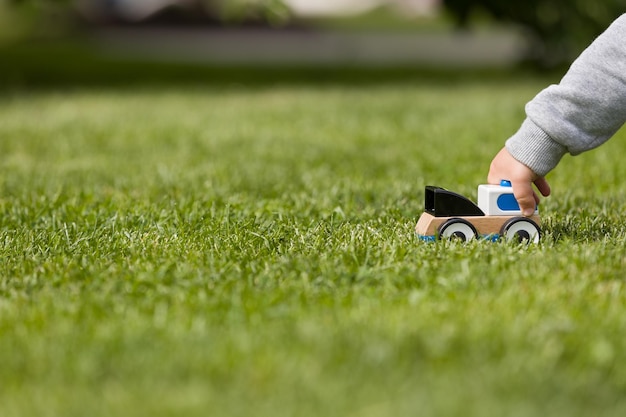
520,229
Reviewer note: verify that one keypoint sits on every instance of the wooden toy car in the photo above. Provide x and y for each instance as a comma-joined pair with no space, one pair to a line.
497,215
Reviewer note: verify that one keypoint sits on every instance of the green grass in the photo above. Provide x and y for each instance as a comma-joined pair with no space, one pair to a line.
231,251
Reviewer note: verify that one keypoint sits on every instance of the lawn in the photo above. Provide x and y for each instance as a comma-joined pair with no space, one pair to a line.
234,250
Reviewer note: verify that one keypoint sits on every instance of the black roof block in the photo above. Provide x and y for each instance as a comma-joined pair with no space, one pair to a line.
443,203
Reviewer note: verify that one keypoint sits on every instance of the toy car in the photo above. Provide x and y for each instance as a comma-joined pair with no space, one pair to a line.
497,215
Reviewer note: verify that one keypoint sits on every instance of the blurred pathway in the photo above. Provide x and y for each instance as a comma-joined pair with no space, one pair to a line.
306,47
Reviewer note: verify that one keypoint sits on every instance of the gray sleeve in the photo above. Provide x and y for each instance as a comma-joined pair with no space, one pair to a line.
581,112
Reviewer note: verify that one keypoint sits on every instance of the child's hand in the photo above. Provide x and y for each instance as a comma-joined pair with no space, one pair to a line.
505,167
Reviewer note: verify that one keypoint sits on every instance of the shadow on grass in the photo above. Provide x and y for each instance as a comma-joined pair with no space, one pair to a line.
72,64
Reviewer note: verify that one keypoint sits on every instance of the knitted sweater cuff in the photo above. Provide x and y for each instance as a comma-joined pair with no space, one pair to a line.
533,147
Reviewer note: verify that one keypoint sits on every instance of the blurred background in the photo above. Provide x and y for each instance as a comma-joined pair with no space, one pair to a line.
70,39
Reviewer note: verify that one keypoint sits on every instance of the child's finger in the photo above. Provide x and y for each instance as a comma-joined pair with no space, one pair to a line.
543,186
525,196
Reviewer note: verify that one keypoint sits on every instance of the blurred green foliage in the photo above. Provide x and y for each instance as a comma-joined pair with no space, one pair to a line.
558,29
12,23
32,18
273,12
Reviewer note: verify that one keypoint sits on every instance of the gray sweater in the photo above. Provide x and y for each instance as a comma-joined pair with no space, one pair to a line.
581,112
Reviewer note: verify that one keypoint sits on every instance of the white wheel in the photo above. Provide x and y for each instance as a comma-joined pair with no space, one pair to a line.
520,229
457,229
